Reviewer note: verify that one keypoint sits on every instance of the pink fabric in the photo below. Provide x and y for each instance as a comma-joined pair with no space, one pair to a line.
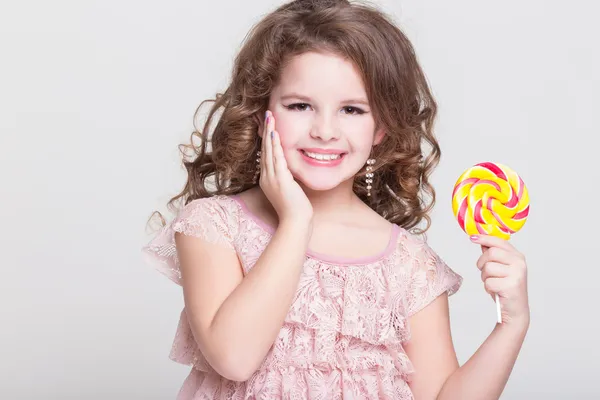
343,335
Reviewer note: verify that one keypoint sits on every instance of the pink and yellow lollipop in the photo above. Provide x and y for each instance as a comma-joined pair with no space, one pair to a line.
490,199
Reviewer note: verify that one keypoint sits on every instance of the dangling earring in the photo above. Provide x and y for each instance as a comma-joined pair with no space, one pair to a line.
257,172
369,179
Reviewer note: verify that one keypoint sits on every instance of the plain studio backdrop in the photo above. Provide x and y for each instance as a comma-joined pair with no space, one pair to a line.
96,95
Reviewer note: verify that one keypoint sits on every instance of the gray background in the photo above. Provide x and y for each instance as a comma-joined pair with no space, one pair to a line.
96,95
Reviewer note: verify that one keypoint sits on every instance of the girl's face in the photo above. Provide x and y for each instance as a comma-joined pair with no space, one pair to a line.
324,120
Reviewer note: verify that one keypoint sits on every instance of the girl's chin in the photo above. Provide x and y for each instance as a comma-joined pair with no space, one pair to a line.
319,183
319,187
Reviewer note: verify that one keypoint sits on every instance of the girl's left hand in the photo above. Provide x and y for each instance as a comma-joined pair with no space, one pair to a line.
504,271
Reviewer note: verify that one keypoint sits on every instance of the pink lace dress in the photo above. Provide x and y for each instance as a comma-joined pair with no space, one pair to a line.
343,335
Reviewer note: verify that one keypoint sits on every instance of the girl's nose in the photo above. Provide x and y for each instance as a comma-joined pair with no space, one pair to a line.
324,128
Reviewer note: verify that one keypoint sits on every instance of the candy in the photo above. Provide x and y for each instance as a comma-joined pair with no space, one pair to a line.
490,199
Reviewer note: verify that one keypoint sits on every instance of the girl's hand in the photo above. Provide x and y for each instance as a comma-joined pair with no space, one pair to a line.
504,271
276,180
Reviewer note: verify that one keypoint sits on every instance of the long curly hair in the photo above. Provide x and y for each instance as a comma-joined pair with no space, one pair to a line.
222,160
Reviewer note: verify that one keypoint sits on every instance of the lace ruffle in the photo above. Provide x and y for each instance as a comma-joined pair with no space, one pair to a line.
300,384
341,318
344,332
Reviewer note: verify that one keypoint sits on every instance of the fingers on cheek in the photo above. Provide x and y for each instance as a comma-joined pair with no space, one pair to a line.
276,148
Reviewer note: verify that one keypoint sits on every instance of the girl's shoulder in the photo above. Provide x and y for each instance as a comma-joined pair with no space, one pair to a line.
211,205
213,219
218,214
425,271
414,250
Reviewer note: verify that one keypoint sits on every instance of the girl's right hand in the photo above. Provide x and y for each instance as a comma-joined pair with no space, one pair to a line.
276,180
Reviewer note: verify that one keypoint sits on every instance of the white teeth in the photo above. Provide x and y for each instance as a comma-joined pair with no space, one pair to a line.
323,157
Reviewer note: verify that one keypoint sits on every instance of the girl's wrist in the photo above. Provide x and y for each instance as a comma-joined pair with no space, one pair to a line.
295,221
519,325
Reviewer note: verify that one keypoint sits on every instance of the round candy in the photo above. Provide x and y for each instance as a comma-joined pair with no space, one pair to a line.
490,199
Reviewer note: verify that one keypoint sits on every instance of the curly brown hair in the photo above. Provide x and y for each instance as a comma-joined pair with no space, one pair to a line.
224,162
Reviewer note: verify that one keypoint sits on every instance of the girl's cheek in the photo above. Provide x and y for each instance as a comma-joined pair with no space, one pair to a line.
286,143
282,137
281,128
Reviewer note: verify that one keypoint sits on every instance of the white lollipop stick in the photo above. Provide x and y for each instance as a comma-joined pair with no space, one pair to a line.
498,309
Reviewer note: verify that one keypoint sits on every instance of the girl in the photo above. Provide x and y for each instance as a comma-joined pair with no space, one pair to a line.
302,274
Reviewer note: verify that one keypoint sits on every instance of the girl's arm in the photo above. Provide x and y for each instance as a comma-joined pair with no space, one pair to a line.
235,320
484,375
438,375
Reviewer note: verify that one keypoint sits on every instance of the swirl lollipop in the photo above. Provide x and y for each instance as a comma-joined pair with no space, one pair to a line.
490,199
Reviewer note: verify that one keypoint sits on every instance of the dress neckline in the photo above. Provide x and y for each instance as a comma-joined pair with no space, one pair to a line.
325,257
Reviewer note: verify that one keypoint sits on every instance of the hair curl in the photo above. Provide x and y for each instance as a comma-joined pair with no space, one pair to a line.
402,104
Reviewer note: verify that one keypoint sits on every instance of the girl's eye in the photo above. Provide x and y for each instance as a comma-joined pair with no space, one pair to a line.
357,111
297,106
303,106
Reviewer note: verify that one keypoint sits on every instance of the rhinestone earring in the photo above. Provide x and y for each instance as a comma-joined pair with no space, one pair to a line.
257,172
369,179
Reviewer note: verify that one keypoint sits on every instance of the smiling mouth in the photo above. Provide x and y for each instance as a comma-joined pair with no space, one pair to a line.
322,156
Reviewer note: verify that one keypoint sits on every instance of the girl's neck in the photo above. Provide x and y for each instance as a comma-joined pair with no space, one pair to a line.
334,204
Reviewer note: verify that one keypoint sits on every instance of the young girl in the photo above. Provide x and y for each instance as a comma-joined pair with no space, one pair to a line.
302,275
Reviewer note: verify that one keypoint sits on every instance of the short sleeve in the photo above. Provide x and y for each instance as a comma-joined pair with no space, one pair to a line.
429,277
212,219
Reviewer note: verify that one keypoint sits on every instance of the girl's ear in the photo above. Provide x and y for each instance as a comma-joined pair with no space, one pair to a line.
379,135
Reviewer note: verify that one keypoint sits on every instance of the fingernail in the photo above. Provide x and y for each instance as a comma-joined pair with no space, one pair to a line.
267,114
268,119
272,134
474,238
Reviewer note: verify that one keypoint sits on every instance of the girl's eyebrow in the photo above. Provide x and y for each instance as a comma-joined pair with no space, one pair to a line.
308,100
